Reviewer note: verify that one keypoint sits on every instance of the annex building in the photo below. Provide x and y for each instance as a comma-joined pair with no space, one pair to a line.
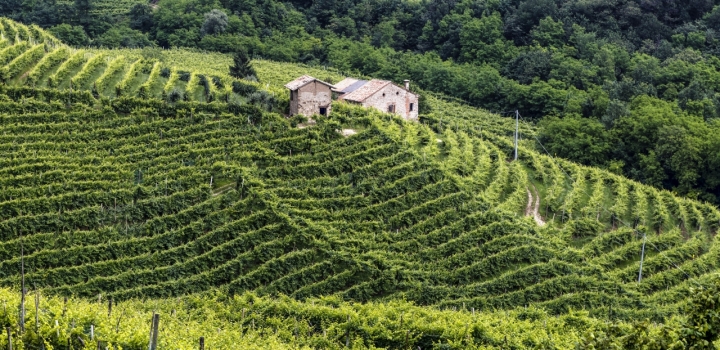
310,96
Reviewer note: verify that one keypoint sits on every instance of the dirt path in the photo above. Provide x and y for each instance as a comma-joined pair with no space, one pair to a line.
529,206
533,207
536,209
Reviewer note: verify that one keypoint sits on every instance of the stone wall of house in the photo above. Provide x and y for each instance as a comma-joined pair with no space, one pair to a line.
293,102
397,96
308,99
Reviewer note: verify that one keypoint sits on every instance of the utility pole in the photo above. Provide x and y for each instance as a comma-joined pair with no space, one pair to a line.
517,118
642,257
22,285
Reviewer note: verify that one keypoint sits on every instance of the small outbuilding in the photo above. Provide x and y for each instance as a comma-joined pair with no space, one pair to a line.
380,94
310,96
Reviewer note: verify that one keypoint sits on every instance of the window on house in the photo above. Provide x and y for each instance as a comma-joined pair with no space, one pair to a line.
412,105
323,111
391,109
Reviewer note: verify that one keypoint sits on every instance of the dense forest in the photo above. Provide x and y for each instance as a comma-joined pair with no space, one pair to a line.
629,85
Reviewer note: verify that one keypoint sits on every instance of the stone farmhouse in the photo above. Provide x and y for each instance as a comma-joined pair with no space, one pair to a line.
310,96
382,95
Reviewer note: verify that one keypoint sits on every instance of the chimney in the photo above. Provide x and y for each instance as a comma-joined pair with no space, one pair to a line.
407,84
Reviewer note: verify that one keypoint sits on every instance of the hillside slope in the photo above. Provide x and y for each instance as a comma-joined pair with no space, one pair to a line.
130,196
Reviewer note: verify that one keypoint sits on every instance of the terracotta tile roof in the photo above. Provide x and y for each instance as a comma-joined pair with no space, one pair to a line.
340,86
304,80
365,91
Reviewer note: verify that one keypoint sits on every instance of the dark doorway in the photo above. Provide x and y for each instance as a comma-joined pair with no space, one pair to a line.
323,111
391,109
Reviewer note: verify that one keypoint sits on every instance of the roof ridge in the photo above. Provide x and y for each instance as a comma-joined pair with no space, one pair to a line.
304,80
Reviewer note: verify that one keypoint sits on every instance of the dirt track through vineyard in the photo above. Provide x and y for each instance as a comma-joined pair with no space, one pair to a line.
533,207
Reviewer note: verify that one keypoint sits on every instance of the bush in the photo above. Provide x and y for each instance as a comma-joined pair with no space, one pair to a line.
298,119
243,89
71,35
175,95
184,76
263,99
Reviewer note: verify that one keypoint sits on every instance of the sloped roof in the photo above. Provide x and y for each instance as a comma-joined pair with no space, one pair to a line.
358,84
366,90
343,84
304,80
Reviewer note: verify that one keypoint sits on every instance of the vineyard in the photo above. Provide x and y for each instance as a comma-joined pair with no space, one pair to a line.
42,62
248,321
108,7
137,178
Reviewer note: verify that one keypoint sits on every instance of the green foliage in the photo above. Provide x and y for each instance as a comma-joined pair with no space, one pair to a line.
549,33
123,37
699,330
216,22
20,63
66,68
241,68
702,327
481,41
45,64
70,35
87,71
251,321
581,139
115,66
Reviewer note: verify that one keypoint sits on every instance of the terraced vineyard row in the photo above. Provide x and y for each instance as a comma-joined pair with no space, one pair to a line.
36,59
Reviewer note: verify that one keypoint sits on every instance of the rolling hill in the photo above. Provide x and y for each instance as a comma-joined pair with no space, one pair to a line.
136,176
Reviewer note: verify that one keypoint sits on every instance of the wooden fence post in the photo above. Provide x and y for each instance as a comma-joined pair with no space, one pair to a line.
64,306
9,336
37,308
22,285
155,331
347,334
